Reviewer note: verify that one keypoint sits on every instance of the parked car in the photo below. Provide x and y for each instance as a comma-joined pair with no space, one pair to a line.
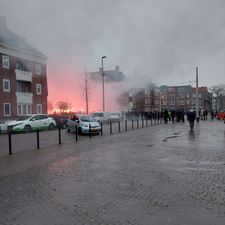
83,124
101,116
4,126
220,115
61,120
31,123
115,116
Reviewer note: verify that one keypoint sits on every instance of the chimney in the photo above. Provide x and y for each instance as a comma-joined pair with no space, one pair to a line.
117,68
2,22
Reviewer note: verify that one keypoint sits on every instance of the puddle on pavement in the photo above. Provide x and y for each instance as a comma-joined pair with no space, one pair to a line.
174,136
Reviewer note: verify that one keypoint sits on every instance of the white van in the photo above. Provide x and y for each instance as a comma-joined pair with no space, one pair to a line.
101,116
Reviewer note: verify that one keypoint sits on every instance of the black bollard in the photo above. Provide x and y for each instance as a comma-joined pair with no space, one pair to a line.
101,129
137,123
132,124
110,127
38,140
119,126
126,125
59,129
10,142
90,134
76,133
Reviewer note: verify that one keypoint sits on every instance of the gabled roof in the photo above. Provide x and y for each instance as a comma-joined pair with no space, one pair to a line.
110,75
10,39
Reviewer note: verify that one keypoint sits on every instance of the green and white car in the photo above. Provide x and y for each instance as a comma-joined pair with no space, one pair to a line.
32,123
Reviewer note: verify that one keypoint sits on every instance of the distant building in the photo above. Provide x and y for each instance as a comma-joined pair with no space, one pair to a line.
176,97
204,98
110,75
170,97
145,99
23,79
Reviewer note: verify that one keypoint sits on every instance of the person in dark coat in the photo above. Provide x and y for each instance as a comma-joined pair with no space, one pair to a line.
166,115
191,118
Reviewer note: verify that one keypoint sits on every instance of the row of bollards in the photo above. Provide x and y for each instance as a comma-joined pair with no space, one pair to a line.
153,122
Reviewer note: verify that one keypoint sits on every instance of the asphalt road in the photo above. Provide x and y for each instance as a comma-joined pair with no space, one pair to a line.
163,174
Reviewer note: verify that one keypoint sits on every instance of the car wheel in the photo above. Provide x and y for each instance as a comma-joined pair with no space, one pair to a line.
27,129
67,129
51,126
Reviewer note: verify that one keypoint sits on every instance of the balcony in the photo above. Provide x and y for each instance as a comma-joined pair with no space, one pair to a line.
23,75
24,97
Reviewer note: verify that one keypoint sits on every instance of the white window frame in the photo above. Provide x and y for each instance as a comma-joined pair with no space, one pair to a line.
4,108
39,106
6,81
29,109
25,109
5,61
38,89
38,69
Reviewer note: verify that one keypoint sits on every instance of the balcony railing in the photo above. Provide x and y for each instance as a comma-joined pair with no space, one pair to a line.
24,97
23,75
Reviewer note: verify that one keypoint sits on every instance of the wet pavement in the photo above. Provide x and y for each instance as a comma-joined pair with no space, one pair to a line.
164,174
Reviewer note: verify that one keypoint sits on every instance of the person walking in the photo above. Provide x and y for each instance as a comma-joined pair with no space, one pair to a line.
191,118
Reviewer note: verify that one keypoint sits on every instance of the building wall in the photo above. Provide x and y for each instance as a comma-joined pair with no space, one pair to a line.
10,74
171,98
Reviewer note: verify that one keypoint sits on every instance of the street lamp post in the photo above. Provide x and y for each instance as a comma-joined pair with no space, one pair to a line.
196,95
103,85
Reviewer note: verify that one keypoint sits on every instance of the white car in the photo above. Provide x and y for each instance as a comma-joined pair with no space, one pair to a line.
115,116
101,116
4,126
31,123
83,124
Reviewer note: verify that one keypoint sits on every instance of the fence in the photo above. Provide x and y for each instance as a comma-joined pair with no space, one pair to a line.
106,129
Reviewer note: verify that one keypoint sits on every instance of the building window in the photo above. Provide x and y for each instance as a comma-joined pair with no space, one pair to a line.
39,108
22,86
20,66
6,85
19,110
5,61
7,109
24,109
38,69
38,89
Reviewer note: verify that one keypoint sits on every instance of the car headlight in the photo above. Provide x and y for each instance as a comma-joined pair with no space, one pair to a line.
84,125
17,124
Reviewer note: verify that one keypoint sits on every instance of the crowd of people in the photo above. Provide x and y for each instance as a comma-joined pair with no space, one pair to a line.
168,115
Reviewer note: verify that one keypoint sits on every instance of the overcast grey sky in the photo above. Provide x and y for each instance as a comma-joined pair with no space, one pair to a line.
162,39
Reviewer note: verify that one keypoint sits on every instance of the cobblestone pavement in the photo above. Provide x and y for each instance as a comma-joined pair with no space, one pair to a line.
151,176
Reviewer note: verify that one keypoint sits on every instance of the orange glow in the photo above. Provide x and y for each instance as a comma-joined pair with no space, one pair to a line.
65,84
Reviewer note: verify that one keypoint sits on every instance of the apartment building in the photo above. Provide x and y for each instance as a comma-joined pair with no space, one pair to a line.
23,78
204,98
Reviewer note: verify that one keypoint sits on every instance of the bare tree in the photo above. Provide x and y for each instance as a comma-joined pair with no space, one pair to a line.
63,106
218,91
86,86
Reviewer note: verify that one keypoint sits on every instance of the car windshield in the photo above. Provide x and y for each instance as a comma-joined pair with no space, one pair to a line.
87,119
115,114
24,118
97,114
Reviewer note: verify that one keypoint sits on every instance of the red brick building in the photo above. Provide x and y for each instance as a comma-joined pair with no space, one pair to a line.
23,79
